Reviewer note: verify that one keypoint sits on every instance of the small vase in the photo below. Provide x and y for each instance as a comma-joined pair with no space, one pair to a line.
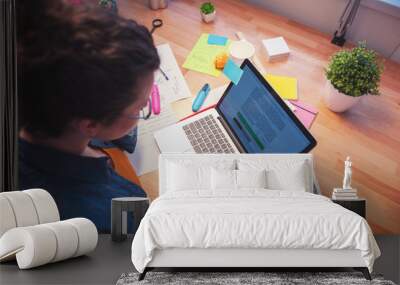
337,101
158,4
209,17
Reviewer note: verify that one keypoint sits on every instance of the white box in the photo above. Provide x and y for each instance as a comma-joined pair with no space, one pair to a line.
276,48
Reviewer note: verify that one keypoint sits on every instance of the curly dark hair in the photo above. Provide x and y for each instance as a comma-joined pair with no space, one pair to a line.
77,62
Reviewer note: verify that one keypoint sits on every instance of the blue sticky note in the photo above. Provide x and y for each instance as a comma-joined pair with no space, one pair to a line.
217,40
232,71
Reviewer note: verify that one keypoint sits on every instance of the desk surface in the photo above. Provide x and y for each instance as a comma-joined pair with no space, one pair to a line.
102,266
369,133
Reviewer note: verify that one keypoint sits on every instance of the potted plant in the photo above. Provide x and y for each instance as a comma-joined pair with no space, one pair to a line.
109,4
351,74
208,12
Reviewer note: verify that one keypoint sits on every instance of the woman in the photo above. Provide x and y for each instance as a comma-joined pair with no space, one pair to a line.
84,77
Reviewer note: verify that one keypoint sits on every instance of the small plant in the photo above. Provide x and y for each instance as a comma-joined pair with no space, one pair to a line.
207,8
355,72
111,4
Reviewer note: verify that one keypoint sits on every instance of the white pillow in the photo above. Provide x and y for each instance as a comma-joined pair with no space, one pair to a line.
288,174
251,178
183,174
188,177
223,179
226,179
292,178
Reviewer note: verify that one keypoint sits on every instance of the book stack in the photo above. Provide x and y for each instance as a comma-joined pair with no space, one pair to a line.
344,194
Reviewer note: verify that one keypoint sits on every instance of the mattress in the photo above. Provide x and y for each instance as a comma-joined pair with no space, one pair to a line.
251,219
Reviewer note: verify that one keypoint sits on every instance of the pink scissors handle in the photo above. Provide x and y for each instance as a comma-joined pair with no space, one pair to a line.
155,99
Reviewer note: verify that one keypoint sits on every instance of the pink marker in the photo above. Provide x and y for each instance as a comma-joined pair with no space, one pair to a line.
155,100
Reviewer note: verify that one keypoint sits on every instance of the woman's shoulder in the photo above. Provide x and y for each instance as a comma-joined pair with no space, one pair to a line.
70,175
35,159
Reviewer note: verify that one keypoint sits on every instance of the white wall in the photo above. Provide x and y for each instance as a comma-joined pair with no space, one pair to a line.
376,21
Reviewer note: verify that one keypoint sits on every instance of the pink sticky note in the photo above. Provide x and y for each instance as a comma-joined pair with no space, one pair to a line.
305,113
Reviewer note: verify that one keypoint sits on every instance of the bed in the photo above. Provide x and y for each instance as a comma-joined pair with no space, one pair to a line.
246,211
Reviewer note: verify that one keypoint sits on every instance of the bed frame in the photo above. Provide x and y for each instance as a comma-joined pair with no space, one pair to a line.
248,259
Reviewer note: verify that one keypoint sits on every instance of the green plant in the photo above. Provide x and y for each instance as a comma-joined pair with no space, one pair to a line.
106,3
355,72
207,8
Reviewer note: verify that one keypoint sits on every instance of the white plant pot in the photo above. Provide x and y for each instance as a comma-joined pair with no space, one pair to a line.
337,101
209,17
158,4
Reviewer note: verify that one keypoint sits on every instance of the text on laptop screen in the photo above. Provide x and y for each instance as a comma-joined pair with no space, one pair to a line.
258,120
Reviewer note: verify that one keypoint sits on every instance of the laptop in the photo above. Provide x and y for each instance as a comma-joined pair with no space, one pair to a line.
250,117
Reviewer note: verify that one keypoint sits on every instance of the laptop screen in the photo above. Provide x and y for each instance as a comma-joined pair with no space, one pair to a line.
260,119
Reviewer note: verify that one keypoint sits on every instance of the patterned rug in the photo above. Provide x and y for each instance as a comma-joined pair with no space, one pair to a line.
244,278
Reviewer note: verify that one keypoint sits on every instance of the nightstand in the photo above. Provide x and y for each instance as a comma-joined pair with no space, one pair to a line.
119,210
358,206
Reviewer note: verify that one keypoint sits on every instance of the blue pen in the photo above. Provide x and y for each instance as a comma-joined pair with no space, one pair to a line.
201,96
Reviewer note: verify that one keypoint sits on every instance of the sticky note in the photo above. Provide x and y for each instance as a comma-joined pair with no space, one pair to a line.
285,86
217,40
202,56
305,113
232,71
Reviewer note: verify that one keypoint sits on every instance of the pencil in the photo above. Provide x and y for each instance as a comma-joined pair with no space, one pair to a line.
163,73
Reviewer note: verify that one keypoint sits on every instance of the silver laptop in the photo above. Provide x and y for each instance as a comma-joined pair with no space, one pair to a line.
250,117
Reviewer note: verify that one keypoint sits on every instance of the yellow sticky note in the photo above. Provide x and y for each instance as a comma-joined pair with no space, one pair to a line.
202,56
285,86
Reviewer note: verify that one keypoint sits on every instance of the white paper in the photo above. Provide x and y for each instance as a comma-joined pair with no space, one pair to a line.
145,157
175,88
214,95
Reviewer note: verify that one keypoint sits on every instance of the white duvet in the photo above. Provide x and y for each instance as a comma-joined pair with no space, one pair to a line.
250,219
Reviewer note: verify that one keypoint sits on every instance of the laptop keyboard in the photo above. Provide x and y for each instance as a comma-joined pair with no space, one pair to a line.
206,136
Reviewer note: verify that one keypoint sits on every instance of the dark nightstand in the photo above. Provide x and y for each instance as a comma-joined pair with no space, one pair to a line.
119,210
358,206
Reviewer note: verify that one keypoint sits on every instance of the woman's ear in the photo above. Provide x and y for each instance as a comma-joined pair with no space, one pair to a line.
88,128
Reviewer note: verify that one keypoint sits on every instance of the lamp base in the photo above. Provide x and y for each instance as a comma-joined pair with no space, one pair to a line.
338,40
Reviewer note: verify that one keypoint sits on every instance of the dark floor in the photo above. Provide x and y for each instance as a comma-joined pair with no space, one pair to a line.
110,260
389,262
103,266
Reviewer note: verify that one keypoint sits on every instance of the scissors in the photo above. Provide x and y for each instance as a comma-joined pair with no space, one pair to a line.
156,24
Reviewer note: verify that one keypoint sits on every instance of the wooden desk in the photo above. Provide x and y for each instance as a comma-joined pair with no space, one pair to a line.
369,133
